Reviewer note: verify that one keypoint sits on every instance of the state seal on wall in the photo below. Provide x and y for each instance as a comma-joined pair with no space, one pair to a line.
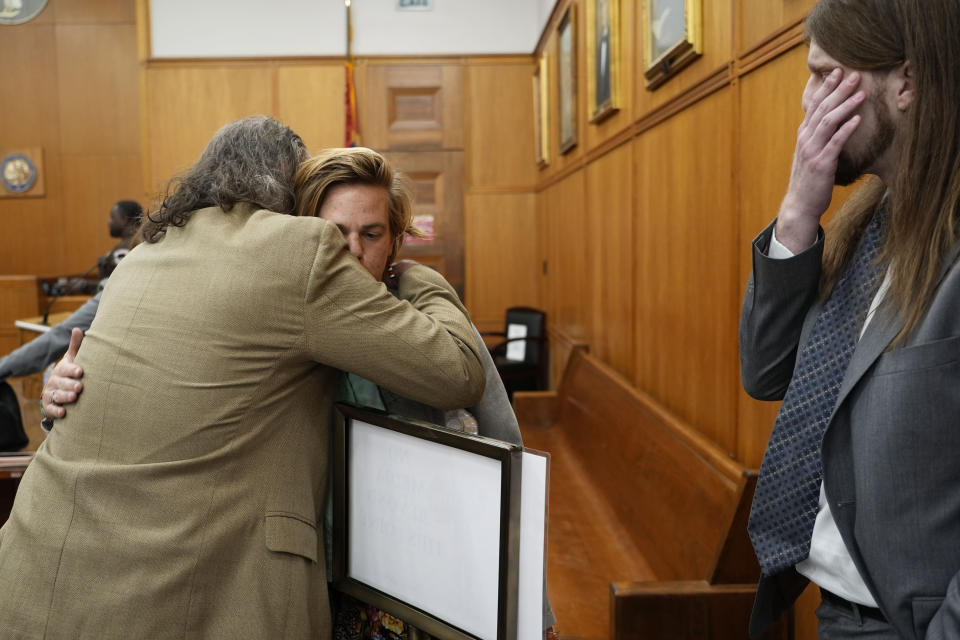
17,173
20,11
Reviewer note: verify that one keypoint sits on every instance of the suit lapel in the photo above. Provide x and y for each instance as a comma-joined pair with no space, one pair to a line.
884,327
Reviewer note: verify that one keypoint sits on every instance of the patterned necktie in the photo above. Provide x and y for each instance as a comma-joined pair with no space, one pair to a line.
788,489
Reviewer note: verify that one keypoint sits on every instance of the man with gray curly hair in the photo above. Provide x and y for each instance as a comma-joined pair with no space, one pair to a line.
181,496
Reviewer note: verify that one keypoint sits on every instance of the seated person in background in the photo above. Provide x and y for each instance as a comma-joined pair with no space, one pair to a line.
34,356
358,191
124,221
182,496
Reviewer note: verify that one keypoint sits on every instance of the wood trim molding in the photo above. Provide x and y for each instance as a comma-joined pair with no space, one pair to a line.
499,58
775,45
478,190
621,137
558,8
568,170
142,17
717,80
181,63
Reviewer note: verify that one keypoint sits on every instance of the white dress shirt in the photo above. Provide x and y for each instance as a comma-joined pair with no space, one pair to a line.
830,565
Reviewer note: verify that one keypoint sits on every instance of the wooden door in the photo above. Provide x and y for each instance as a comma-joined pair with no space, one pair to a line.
436,179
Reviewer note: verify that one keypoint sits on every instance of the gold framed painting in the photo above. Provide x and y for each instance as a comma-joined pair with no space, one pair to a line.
603,57
541,120
567,78
672,37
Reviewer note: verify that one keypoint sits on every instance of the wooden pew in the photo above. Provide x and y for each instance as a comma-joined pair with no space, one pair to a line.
647,517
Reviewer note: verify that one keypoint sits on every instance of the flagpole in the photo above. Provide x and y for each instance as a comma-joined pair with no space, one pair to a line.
352,134
349,31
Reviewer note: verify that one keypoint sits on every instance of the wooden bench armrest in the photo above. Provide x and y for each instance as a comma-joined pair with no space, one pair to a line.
536,409
684,610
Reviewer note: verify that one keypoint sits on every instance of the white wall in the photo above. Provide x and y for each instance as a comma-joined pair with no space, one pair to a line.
254,28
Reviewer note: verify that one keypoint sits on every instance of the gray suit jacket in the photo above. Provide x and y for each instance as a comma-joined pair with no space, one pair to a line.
891,476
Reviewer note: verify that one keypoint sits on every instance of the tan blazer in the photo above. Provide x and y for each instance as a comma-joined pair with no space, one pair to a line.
180,497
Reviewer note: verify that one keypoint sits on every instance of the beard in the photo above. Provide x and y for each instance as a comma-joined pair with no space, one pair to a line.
851,167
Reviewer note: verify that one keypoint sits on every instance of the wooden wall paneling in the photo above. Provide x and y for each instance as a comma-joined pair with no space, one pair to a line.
608,233
310,101
502,266
91,185
761,18
94,11
98,89
567,264
598,133
717,53
18,299
31,237
687,309
436,178
499,126
187,104
30,115
412,106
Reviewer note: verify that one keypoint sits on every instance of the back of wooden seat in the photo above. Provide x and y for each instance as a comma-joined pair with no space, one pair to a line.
674,491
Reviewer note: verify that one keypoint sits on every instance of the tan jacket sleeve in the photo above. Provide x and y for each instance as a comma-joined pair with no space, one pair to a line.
421,346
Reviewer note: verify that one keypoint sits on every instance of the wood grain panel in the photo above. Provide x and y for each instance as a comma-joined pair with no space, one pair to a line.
18,299
499,277
98,89
568,281
687,308
499,125
92,184
760,18
310,101
187,105
30,105
94,11
608,234
438,177
412,106
717,53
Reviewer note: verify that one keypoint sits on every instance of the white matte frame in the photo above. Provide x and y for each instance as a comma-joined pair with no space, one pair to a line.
419,445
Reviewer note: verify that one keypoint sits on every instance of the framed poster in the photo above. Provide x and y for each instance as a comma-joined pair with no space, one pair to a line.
541,124
672,37
603,57
441,529
567,78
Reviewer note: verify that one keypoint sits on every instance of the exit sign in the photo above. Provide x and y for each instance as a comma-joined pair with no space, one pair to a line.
414,5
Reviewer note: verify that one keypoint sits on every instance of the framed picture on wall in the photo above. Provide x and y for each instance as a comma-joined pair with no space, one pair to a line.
541,125
672,37
567,78
603,57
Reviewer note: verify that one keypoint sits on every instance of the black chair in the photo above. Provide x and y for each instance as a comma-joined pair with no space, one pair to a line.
522,358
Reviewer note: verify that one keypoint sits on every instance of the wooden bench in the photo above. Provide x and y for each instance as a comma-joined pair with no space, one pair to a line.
647,517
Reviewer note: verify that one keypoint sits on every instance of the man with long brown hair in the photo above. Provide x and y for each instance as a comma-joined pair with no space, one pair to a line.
857,330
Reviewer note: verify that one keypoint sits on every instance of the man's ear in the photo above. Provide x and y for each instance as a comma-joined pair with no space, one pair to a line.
905,86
